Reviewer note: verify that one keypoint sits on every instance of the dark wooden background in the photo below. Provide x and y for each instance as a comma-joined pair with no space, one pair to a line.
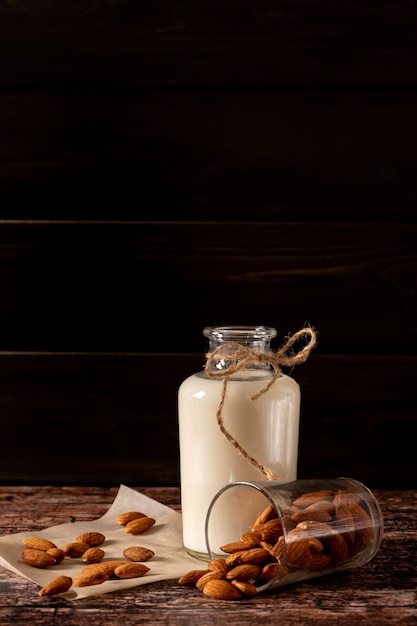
170,165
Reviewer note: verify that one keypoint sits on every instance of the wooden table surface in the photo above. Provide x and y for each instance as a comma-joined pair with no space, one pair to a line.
380,593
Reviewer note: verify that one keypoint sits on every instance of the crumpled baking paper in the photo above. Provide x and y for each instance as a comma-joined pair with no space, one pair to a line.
170,561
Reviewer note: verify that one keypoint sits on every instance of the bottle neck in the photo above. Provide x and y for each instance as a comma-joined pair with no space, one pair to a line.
256,338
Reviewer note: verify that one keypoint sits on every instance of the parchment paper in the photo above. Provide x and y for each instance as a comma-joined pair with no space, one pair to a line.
164,538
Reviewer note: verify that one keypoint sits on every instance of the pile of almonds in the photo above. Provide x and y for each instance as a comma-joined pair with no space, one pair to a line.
42,553
324,529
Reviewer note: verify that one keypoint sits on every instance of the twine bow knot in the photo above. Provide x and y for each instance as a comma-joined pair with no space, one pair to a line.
240,357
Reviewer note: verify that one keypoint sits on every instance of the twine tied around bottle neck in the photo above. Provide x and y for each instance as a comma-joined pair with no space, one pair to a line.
240,357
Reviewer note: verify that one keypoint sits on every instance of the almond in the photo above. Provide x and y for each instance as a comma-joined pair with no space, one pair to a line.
93,555
37,558
210,575
318,511
38,543
278,549
344,497
243,572
338,547
92,539
190,579
106,566
250,538
312,496
267,546
315,545
320,561
139,525
60,584
254,555
57,553
131,570
74,549
125,518
315,528
246,588
91,575
269,571
138,553
221,590
267,514
345,522
218,564
363,524
271,531
298,555
236,546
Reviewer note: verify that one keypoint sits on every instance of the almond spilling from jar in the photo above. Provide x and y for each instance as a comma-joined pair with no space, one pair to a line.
208,576
253,555
237,546
190,578
246,588
244,572
218,564
221,590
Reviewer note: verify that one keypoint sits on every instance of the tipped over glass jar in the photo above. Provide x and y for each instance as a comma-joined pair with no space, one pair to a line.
261,535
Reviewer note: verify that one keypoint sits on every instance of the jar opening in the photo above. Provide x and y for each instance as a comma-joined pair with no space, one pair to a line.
242,334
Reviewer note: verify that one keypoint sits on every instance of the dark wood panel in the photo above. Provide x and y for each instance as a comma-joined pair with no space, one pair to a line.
154,286
208,156
221,43
105,419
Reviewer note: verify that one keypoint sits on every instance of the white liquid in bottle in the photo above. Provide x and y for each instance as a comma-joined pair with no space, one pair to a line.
266,428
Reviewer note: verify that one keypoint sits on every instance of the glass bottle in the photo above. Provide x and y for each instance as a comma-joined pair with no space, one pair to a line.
257,433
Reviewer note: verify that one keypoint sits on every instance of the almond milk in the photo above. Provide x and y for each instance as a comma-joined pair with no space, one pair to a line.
267,429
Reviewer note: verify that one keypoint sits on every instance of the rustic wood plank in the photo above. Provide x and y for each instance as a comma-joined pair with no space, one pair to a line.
207,156
221,43
105,419
379,594
97,286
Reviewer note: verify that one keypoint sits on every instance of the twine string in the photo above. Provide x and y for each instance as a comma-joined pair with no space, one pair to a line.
240,357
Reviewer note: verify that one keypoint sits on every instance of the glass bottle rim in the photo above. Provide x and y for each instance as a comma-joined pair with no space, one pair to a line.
236,333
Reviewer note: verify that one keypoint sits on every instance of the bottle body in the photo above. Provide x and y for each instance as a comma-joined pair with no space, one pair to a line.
266,428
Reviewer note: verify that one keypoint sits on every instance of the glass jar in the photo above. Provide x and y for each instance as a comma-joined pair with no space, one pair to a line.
293,531
230,428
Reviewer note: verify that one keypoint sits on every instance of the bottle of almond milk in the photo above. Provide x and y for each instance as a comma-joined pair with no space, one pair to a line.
238,421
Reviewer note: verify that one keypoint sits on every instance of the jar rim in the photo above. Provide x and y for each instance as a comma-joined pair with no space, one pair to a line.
222,333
